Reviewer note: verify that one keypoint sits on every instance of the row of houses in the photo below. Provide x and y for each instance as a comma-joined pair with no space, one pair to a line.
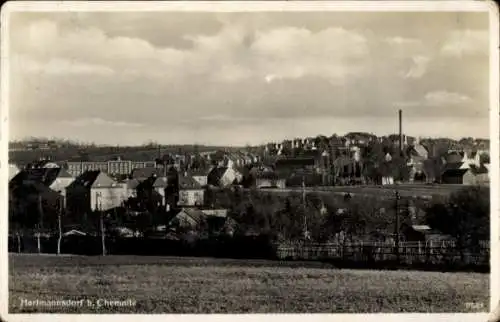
95,190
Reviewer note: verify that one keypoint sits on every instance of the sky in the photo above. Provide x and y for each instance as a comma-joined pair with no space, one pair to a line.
126,78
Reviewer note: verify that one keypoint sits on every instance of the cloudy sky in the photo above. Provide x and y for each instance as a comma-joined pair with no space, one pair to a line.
246,78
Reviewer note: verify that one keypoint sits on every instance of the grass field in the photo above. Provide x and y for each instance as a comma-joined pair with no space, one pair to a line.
195,285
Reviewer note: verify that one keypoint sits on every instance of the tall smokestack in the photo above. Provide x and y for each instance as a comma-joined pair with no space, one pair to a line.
400,130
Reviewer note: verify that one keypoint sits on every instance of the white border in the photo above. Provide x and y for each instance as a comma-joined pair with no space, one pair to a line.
239,6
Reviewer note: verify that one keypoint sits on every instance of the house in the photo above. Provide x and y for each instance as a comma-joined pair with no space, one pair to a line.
346,169
200,176
159,185
57,179
150,195
262,177
299,170
454,157
417,155
462,173
188,218
224,177
433,168
386,170
191,193
291,164
94,190
29,192
131,188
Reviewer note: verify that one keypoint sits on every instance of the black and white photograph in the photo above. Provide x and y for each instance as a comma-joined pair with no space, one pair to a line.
200,159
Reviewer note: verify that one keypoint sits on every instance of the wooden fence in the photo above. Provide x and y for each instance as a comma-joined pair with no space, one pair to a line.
410,253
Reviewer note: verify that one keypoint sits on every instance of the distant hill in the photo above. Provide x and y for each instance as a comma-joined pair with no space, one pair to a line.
95,153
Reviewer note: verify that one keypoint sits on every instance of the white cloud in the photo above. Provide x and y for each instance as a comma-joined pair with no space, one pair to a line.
437,99
231,55
466,42
61,66
333,53
401,41
237,73
95,121
440,98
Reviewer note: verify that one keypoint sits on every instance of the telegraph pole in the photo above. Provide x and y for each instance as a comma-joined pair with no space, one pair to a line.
59,220
306,232
398,197
101,219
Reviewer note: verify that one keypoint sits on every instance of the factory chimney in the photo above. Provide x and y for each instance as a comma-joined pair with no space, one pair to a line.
401,130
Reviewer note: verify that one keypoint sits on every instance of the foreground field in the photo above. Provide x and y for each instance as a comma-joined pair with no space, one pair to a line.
192,285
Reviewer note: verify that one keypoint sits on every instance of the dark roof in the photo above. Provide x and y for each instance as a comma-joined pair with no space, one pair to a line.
454,157
196,214
44,176
160,182
141,173
452,166
132,183
287,162
93,178
454,172
32,187
187,182
215,175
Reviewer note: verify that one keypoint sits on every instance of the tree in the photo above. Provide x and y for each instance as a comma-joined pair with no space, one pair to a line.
465,216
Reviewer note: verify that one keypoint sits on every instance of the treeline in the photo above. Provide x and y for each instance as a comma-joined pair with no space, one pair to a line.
463,216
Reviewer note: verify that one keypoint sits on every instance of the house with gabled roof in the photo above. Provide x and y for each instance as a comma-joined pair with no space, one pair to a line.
263,177
95,190
417,154
57,179
191,193
131,187
200,175
463,173
224,177
30,190
160,185
188,218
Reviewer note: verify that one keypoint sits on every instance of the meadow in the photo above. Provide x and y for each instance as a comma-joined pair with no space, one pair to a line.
204,285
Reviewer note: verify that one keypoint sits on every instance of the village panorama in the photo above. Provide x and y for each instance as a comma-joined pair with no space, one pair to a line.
251,162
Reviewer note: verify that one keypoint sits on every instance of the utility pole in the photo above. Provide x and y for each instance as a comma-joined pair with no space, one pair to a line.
101,219
306,232
59,220
398,197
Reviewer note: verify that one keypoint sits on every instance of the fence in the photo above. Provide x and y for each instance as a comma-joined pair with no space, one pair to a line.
410,253
418,255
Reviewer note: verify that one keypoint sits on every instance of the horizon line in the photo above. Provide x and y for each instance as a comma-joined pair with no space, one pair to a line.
214,144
